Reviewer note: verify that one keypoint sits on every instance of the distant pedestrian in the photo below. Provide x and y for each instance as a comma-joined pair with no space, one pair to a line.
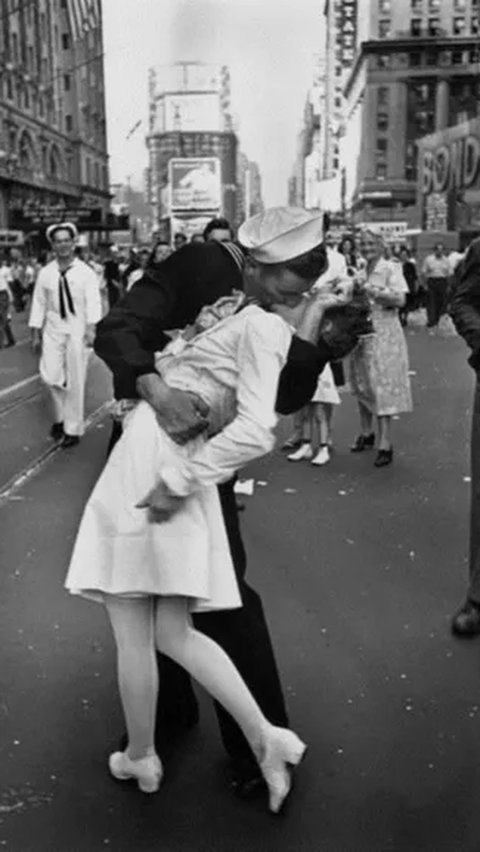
347,248
6,299
409,270
379,364
65,308
159,253
179,240
436,274
218,229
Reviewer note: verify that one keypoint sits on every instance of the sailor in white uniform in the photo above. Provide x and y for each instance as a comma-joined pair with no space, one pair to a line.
66,306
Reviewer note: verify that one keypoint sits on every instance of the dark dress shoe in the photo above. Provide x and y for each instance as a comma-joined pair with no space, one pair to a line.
246,778
70,441
362,443
384,458
56,432
466,622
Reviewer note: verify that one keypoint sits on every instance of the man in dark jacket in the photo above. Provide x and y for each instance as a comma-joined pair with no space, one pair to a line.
465,312
168,297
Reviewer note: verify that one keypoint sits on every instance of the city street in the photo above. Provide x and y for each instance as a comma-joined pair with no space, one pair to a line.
360,570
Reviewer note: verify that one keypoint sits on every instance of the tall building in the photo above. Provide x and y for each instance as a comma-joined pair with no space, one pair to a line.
309,168
416,70
249,195
192,146
53,145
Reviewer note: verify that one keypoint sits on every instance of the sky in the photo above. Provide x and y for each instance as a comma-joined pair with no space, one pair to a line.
269,46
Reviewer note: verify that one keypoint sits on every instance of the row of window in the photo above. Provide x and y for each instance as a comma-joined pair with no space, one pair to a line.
431,58
433,27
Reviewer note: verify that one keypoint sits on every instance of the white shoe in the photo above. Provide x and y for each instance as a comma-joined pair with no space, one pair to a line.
282,750
303,452
148,771
322,457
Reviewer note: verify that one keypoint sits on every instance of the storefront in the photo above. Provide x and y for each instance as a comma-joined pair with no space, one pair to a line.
449,181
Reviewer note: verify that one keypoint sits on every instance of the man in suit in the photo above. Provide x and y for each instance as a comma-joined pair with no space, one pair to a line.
465,312
168,297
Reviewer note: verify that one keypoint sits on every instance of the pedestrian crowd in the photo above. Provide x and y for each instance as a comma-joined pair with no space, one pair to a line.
209,342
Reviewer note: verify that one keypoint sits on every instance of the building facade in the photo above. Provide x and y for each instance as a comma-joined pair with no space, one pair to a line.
249,195
53,145
309,170
416,71
191,140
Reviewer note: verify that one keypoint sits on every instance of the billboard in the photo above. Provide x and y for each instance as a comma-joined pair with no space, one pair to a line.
195,184
190,113
449,178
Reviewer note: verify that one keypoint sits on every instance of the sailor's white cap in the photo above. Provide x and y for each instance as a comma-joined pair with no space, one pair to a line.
62,226
281,233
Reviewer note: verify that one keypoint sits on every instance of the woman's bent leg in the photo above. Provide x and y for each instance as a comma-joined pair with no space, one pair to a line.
133,627
209,665
274,748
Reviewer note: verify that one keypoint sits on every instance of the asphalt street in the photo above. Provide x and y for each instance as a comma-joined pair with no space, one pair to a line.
360,570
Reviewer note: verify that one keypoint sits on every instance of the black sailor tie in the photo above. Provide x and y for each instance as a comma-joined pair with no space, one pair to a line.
64,294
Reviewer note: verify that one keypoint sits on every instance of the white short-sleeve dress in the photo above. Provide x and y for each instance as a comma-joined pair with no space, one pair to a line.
234,367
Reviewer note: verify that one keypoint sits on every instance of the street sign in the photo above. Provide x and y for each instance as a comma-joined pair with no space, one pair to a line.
9,239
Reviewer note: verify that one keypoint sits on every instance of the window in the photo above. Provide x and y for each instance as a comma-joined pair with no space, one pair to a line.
457,57
384,7
31,59
474,56
380,171
9,89
41,107
338,102
88,170
460,5
15,47
66,82
97,175
414,60
383,60
384,28
459,26
383,96
434,5
416,6
475,26
416,27
382,121
66,41
68,123
382,146
433,26
432,58
26,98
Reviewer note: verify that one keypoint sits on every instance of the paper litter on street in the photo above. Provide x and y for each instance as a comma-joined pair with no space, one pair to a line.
244,487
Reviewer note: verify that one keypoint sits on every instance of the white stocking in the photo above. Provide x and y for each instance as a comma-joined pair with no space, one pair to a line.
133,626
209,665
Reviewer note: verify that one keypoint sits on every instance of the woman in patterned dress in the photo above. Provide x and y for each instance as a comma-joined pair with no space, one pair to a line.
379,364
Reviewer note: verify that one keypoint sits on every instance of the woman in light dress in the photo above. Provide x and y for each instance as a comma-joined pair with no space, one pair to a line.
152,545
379,364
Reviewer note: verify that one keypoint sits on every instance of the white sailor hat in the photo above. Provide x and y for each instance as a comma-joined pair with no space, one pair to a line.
62,226
281,233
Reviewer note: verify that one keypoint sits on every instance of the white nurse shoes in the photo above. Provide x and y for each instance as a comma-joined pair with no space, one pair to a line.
147,771
323,456
282,750
304,452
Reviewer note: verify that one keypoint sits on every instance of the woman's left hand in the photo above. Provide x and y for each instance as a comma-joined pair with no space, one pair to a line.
161,503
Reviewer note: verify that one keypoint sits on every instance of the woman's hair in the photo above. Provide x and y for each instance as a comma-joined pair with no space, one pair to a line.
310,265
347,238
365,231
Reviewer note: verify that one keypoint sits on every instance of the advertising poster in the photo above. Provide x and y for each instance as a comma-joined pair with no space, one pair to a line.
195,184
